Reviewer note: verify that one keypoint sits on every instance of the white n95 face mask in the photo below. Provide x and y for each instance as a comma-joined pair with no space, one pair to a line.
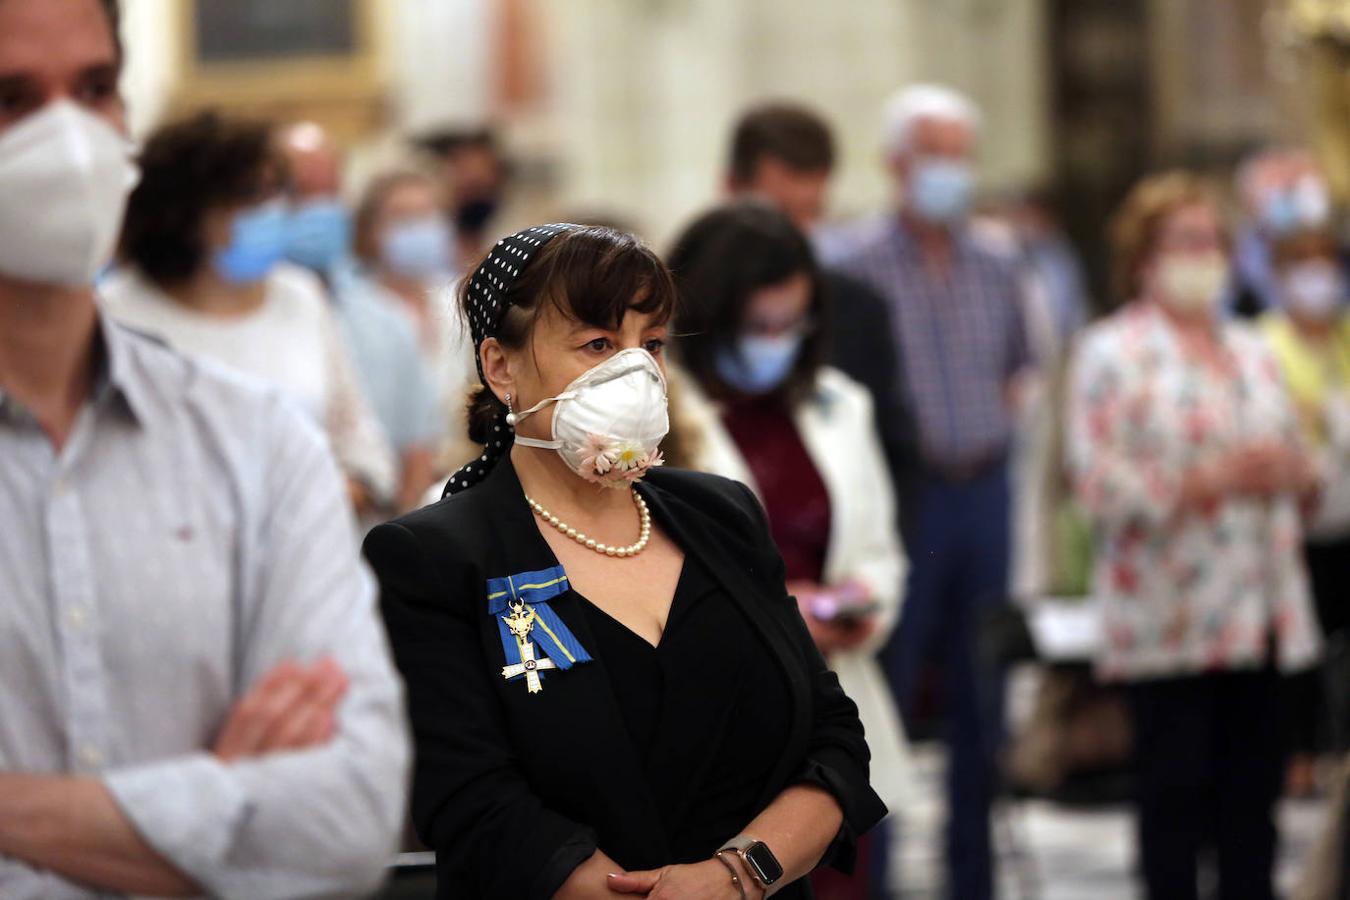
608,424
64,179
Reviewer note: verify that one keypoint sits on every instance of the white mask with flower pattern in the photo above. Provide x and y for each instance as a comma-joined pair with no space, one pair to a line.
608,424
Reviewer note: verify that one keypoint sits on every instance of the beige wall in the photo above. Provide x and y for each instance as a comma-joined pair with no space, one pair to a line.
642,93
647,92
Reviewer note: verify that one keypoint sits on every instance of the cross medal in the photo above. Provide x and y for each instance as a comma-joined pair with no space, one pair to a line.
520,621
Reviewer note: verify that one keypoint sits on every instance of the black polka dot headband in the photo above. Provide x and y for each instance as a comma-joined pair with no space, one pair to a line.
487,303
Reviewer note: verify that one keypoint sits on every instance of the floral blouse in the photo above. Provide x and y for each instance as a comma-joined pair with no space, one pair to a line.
1183,592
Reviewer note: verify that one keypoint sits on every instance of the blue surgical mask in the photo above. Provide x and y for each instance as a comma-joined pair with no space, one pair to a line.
1306,204
418,248
318,234
758,364
257,244
941,190
1279,213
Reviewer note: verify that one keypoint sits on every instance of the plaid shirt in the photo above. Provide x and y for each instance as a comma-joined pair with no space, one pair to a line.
961,336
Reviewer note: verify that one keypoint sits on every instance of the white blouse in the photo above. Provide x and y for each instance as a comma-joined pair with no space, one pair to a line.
291,341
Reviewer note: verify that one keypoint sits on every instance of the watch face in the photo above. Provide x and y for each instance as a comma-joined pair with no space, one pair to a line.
765,863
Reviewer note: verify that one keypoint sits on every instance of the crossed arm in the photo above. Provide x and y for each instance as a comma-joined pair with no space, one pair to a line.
73,827
302,791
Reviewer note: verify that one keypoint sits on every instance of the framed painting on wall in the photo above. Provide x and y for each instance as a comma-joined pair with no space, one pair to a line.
283,60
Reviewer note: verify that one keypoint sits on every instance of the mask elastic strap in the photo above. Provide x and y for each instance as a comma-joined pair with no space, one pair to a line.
514,419
535,442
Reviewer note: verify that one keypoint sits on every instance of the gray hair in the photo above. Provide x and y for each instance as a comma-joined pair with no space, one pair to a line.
910,105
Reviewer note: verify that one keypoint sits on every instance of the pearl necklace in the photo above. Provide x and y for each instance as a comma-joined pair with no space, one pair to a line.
591,543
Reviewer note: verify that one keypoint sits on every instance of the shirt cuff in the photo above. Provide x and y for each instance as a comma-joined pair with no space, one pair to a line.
188,809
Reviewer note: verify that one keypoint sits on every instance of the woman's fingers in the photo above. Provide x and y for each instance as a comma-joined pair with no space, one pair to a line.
634,882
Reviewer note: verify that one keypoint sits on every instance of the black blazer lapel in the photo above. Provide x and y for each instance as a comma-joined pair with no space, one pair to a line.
573,724
700,536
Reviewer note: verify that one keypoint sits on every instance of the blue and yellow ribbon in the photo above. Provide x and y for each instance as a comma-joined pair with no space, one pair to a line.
535,589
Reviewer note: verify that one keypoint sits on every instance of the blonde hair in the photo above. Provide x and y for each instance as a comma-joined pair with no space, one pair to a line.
1136,224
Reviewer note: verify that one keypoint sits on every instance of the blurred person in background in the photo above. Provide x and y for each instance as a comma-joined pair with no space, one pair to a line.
405,249
1281,191
474,175
204,235
1020,227
784,154
955,308
770,414
195,693
1187,456
1047,251
382,340
319,230
1309,332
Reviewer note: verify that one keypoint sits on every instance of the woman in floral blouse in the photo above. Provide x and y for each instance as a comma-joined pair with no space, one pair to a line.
1186,453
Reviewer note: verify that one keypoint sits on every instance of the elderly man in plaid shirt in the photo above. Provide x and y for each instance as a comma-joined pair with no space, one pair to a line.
958,325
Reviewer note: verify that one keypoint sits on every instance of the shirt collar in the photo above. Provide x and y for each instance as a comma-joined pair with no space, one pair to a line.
116,374
113,374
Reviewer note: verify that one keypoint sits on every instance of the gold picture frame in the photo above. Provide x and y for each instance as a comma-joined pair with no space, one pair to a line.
337,87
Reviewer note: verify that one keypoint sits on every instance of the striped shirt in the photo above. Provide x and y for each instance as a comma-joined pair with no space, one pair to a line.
960,336
190,534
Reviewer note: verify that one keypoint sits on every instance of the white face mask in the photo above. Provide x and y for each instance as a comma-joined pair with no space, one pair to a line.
65,175
1192,285
609,422
1315,289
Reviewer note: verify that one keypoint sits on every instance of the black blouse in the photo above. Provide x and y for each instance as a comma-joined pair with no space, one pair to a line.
707,641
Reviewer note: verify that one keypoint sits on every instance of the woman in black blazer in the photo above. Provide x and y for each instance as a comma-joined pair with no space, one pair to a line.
646,717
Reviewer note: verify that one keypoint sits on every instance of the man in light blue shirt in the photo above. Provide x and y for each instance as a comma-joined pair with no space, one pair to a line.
195,694
383,342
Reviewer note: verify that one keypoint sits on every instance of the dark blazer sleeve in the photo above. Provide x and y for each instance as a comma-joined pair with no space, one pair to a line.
470,803
837,757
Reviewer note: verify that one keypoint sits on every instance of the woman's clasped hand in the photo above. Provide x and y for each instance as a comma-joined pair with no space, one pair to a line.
708,880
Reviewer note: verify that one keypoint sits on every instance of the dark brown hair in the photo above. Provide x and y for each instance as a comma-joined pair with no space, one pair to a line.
188,169
445,142
719,262
1304,244
588,274
787,132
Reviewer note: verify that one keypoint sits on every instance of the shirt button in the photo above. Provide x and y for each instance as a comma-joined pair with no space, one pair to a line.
60,487
90,756
76,617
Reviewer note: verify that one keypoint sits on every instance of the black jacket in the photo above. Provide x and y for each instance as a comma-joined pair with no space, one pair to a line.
512,790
